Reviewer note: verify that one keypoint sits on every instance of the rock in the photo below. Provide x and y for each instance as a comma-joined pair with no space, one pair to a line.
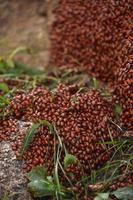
12,179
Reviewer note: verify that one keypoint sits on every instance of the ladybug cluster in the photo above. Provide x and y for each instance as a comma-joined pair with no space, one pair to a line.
82,121
95,37
7,127
123,88
123,181
91,35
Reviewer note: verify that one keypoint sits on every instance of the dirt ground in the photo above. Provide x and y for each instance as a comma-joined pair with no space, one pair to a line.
26,24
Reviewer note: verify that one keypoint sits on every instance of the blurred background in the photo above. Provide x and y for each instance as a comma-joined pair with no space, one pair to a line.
26,24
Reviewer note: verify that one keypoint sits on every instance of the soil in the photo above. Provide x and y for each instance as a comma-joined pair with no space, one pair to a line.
26,24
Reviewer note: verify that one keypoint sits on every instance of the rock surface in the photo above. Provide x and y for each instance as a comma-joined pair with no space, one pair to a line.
12,179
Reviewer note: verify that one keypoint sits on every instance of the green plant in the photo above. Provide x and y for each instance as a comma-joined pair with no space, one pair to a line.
31,132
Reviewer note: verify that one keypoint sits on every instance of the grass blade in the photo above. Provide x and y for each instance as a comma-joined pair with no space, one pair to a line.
32,131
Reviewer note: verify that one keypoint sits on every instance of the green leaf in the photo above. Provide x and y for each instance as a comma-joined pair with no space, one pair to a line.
73,99
50,179
93,176
3,66
41,188
5,197
22,68
10,63
95,83
102,196
37,172
125,193
118,110
4,101
40,184
69,159
4,87
31,132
